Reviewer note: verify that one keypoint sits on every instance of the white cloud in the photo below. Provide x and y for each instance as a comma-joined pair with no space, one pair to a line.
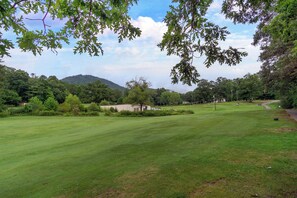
150,28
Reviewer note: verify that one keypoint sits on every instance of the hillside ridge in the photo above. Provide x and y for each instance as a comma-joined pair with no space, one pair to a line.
86,79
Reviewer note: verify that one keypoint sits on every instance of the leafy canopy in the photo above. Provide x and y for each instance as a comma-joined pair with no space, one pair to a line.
139,92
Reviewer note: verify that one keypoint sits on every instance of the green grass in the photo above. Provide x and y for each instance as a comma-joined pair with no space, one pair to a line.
236,151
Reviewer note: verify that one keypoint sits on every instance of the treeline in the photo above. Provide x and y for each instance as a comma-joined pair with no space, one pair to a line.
248,88
17,86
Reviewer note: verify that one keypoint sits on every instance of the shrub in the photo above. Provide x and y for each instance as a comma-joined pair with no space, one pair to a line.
64,107
93,107
91,113
2,106
113,109
104,102
49,113
75,103
4,114
107,113
51,104
20,110
154,113
28,108
36,104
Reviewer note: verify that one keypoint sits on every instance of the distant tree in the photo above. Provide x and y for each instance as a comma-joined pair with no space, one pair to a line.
156,95
39,87
51,104
95,92
204,92
188,97
18,81
170,98
224,89
139,92
250,87
10,97
58,88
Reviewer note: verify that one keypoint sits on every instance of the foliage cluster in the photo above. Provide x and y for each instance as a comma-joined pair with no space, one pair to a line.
248,88
150,113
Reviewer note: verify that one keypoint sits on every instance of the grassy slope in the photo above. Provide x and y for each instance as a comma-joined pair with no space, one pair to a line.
237,151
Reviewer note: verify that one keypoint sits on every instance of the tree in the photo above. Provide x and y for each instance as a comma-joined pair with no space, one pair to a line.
74,103
277,38
156,95
51,104
58,88
9,97
170,98
84,20
2,107
204,92
18,81
40,88
35,104
139,92
189,97
95,92
250,87
224,89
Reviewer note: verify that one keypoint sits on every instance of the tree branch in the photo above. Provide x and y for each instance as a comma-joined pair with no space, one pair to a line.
16,3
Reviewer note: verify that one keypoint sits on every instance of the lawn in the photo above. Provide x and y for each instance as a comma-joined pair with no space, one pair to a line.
236,151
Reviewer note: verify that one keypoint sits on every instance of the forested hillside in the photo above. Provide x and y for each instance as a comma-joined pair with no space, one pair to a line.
86,79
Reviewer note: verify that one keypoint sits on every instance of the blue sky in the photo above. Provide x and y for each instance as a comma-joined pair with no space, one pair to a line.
141,57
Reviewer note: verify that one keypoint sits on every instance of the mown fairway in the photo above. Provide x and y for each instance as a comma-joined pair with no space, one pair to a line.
237,151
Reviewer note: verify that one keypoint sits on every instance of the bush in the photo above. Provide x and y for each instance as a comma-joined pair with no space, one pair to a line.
107,113
36,104
49,113
4,114
113,110
2,106
75,104
93,107
154,113
92,113
20,110
51,104
286,102
104,102
28,108
64,107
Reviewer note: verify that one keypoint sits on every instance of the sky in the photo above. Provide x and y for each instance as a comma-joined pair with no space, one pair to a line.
141,57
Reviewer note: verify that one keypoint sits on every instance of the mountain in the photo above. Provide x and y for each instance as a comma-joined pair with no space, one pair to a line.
86,79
